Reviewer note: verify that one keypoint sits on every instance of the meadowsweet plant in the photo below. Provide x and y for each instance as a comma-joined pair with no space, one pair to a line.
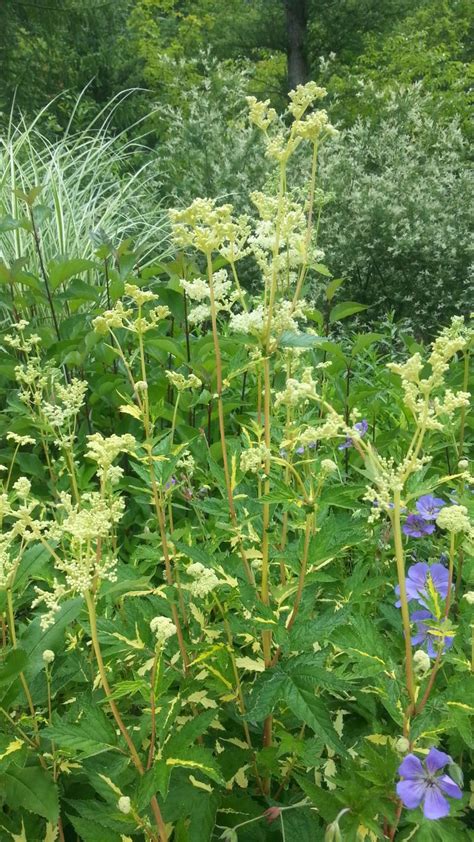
236,552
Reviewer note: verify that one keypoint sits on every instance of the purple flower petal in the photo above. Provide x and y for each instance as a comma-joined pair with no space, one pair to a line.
449,787
416,579
418,572
361,427
411,767
416,526
432,652
411,792
420,637
422,614
435,804
429,507
345,444
437,760
440,578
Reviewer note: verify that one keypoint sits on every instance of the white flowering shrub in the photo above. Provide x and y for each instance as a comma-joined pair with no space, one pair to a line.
398,226
396,223
236,571
207,147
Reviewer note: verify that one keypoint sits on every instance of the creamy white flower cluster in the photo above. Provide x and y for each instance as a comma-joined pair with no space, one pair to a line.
252,460
20,342
455,519
288,217
417,390
18,522
52,402
7,562
34,378
132,318
332,427
76,531
205,580
204,225
187,463
303,96
328,466
105,449
281,143
285,317
22,487
162,628
94,517
199,290
297,392
389,477
21,441
23,522
69,400
181,383
260,113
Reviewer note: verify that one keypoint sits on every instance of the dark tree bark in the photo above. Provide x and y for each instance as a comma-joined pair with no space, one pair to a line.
296,27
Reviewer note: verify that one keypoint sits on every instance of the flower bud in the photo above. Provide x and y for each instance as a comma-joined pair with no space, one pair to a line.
272,814
463,464
469,596
421,662
124,804
48,657
402,745
333,833
229,835
329,466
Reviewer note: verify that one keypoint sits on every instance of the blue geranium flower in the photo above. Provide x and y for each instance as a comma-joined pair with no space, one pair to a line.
421,785
416,526
429,507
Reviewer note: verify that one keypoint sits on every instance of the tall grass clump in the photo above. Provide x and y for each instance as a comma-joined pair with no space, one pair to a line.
85,181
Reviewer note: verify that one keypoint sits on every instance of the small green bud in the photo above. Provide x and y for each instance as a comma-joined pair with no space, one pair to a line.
421,662
456,773
230,835
48,657
402,745
333,832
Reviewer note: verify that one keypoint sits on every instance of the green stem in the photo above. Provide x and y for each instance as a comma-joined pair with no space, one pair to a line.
220,410
465,384
175,415
400,560
163,835
24,683
304,267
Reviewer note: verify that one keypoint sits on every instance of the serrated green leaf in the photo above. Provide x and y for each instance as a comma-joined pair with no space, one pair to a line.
321,269
187,735
203,818
91,735
196,758
92,831
32,788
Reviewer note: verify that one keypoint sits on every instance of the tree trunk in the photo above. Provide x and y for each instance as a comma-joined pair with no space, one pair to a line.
296,27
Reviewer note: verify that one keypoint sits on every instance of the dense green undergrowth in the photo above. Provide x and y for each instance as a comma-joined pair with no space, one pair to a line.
209,500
